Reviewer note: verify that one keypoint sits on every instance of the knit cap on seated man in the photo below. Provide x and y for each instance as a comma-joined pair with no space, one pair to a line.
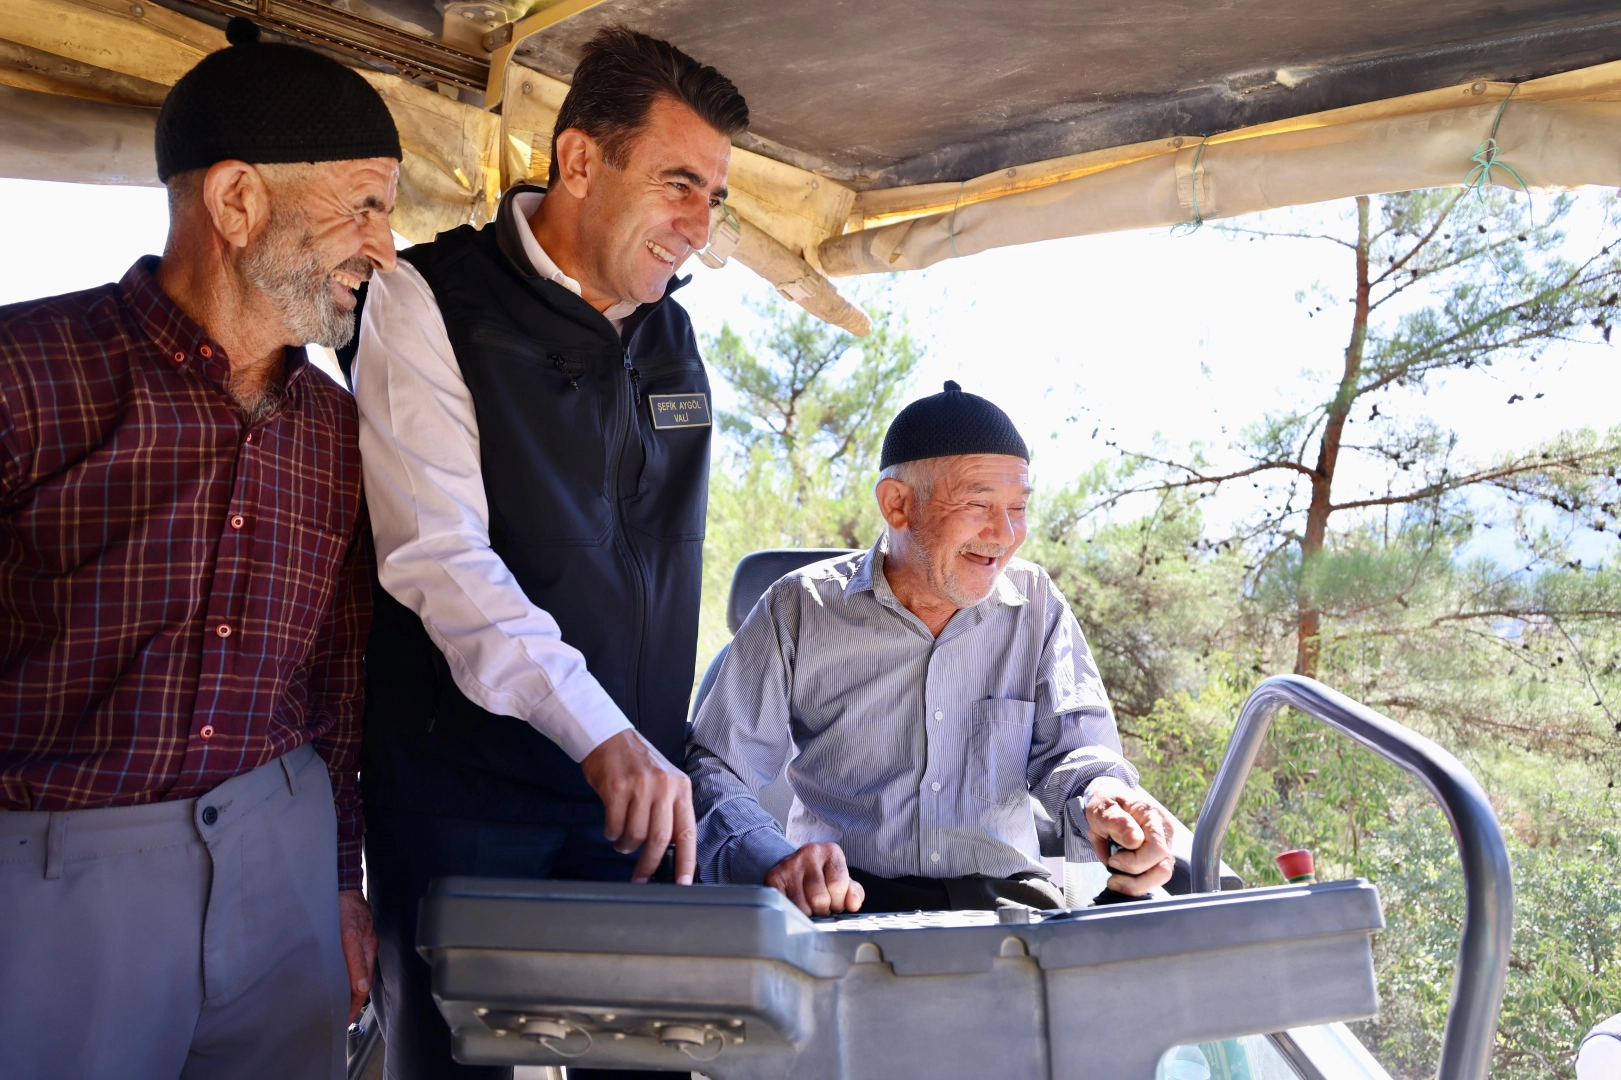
298,118
964,469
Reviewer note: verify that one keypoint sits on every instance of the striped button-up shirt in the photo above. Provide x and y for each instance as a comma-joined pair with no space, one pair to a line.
182,598
917,755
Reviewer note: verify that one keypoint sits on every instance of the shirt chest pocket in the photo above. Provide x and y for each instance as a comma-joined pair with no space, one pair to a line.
999,749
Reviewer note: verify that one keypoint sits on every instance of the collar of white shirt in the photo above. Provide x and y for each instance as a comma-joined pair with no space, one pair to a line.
525,205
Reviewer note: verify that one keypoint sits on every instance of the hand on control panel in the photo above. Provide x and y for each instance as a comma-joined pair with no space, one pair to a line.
649,804
817,879
1139,826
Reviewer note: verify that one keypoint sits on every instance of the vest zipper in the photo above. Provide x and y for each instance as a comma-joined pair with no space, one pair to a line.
622,537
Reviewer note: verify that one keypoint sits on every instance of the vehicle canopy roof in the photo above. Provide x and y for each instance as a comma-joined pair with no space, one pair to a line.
888,93
889,134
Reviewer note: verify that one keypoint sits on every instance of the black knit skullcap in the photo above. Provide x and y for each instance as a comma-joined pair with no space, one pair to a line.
948,424
264,103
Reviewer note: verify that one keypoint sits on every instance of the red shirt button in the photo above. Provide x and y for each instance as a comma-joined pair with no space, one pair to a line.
222,630
249,438
237,521
207,732
180,358
204,351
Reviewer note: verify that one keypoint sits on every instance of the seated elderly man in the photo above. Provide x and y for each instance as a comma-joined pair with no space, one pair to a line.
920,694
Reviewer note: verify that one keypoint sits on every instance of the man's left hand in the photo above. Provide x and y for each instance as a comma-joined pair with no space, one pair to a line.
1142,828
359,947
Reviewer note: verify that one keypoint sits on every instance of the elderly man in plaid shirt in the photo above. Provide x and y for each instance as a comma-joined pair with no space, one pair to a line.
184,598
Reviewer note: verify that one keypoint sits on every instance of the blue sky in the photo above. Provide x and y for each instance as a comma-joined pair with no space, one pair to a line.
1137,335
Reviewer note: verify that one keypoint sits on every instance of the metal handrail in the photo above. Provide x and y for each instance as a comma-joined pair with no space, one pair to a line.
1488,924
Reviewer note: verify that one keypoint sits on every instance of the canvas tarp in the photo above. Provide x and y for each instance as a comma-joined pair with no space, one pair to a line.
1556,133
71,140
79,79
76,104
451,172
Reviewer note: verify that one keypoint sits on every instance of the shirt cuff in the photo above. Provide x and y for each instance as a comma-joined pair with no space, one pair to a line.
754,853
1077,806
742,841
351,826
349,865
579,716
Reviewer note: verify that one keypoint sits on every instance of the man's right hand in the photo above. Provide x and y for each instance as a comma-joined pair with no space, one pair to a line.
1140,826
817,880
649,803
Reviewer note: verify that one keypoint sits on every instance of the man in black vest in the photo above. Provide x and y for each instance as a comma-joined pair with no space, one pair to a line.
535,433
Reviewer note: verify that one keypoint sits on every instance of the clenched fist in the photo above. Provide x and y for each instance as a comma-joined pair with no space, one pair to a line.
1142,828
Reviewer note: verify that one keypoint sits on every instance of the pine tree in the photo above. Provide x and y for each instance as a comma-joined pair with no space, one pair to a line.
800,457
1439,283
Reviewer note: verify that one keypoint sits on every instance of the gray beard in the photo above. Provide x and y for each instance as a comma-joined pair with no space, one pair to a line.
282,268
947,586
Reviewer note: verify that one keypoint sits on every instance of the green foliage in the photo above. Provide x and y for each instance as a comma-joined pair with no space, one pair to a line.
813,403
1516,668
1565,968
1360,493
1166,614
1464,648
1151,598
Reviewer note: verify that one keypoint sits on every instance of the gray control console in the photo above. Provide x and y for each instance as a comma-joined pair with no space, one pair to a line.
735,983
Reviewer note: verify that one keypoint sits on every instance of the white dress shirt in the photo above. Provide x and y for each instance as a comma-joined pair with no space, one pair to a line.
431,520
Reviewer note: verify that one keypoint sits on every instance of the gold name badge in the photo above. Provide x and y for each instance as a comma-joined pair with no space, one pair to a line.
679,410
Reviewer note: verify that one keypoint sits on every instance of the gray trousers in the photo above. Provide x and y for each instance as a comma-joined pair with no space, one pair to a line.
196,938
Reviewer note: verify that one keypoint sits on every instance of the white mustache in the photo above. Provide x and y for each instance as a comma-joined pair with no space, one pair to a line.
992,553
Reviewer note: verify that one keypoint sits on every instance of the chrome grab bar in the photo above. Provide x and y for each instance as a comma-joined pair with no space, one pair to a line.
1488,924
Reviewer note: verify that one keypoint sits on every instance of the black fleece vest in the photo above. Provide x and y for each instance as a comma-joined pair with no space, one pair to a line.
597,510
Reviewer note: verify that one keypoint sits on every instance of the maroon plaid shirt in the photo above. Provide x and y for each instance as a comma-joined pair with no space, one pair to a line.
182,598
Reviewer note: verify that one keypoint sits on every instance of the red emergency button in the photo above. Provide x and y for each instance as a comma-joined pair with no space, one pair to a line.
207,732
204,351
222,630
237,521
1297,866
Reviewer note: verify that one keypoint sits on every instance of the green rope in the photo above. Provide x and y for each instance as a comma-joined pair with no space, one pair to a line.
1192,225
951,235
1485,158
